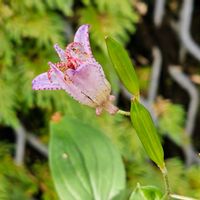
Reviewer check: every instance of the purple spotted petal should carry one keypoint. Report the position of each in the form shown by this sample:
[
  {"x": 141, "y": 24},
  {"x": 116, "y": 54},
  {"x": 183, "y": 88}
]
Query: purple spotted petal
[
  {"x": 90, "y": 80},
  {"x": 41, "y": 82},
  {"x": 60, "y": 52},
  {"x": 82, "y": 36},
  {"x": 79, "y": 74},
  {"x": 71, "y": 88}
]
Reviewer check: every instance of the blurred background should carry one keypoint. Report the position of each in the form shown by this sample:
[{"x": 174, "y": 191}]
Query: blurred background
[{"x": 163, "y": 40}]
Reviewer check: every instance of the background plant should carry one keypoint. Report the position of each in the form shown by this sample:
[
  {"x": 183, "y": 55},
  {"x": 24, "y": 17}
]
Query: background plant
[{"x": 28, "y": 31}]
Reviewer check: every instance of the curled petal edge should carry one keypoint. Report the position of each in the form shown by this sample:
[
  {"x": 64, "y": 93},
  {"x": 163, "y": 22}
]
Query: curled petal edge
[{"x": 82, "y": 36}]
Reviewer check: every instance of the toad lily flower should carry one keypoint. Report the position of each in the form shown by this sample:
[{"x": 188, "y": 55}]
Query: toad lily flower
[{"x": 79, "y": 74}]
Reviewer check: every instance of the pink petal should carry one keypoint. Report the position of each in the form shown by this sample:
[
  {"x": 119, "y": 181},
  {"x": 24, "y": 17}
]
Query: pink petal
[
  {"x": 82, "y": 36},
  {"x": 99, "y": 110},
  {"x": 91, "y": 81},
  {"x": 109, "y": 107},
  {"x": 42, "y": 82},
  {"x": 60, "y": 52},
  {"x": 71, "y": 88}
]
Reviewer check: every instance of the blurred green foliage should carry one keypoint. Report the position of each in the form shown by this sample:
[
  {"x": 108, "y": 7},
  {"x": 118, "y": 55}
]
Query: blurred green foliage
[
  {"x": 29, "y": 28},
  {"x": 21, "y": 183},
  {"x": 171, "y": 121}
]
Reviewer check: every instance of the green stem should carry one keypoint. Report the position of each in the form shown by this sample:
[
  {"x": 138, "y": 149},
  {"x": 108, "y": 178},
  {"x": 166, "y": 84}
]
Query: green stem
[
  {"x": 122, "y": 112},
  {"x": 176, "y": 196},
  {"x": 166, "y": 181}
]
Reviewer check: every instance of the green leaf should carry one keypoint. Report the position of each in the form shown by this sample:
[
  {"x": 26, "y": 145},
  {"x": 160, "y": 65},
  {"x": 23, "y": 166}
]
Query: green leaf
[
  {"x": 123, "y": 195},
  {"x": 83, "y": 162},
  {"x": 123, "y": 65},
  {"x": 147, "y": 133},
  {"x": 146, "y": 193}
]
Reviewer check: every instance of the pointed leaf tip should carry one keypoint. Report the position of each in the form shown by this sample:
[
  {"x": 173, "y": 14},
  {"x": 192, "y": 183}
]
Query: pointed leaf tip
[
  {"x": 146, "y": 193},
  {"x": 146, "y": 131},
  {"x": 123, "y": 65}
]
